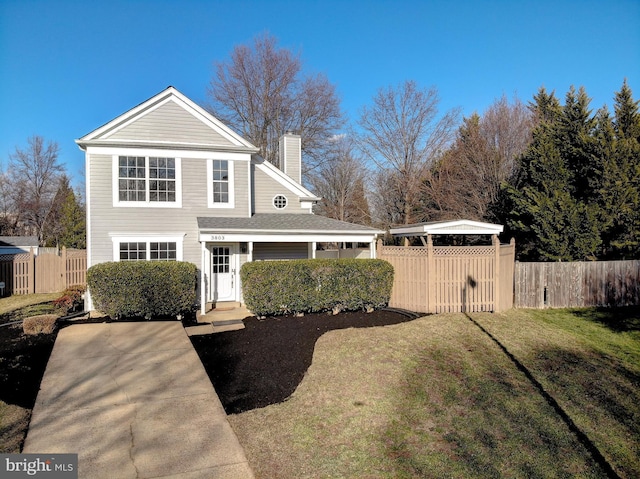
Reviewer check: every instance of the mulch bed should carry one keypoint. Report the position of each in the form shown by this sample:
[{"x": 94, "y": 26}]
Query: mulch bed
[
  {"x": 23, "y": 359},
  {"x": 265, "y": 362},
  {"x": 250, "y": 368}
]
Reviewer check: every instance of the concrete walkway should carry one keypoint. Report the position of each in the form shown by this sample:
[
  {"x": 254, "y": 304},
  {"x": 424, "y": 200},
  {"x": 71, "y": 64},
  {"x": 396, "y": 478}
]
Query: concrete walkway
[{"x": 133, "y": 401}]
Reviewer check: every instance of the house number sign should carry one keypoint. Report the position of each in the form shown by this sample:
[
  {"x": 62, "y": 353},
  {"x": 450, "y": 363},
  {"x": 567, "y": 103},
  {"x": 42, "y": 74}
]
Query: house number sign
[{"x": 217, "y": 237}]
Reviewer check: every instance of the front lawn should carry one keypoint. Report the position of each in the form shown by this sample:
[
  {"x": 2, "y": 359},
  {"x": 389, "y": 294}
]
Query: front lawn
[
  {"x": 23, "y": 360},
  {"x": 437, "y": 397}
]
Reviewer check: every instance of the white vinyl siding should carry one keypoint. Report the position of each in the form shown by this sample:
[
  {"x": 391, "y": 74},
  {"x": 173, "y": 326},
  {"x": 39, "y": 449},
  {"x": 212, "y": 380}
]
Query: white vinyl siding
[
  {"x": 159, "y": 125},
  {"x": 266, "y": 189},
  {"x": 107, "y": 220},
  {"x": 276, "y": 251}
]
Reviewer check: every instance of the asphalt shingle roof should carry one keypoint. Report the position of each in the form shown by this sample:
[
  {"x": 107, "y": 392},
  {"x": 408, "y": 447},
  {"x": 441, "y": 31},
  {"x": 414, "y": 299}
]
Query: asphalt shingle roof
[
  {"x": 18, "y": 241},
  {"x": 283, "y": 222}
]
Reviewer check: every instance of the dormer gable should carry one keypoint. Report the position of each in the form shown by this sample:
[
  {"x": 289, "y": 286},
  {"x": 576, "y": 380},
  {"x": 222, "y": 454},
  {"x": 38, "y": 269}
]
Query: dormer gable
[{"x": 154, "y": 123}]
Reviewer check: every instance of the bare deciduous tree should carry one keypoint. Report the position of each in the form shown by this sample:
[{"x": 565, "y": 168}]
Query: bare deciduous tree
[
  {"x": 340, "y": 182},
  {"x": 402, "y": 135},
  {"x": 261, "y": 92},
  {"x": 34, "y": 175},
  {"x": 466, "y": 181}
]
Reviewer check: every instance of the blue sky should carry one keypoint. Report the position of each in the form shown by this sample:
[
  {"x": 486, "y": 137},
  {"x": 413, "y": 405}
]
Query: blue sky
[{"x": 67, "y": 67}]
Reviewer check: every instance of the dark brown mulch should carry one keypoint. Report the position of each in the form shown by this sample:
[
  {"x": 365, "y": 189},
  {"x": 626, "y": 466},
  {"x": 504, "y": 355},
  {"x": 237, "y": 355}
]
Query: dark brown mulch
[
  {"x": 264, "y": 363},
  {"x": 23, "y": 359}
]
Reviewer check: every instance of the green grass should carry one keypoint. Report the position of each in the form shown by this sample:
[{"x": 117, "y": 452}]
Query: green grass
[
  {"x": 589, "y": 361},
  {"x": 18, "y": 307},
  {"x": 438, "y": 398},
  {"x": 14, "y": 420}
]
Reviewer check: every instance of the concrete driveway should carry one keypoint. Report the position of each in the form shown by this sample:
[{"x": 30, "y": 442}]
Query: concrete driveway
[{"x": 133, "y": 401}]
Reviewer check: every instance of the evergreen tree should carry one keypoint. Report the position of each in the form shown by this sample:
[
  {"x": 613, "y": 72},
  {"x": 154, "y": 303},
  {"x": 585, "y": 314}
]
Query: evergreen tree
[
  {"x": 73, "y": 223},
  {"x": 621, "y": 188},
  {"x": 549, "y": 220},
  {"x": 574, "y": 138}
]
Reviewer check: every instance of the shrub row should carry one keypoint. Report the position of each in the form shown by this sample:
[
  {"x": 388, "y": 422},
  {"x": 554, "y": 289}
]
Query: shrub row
[
  {"x": 299, "y": 286},
  {"x": 146, "y": 289}
]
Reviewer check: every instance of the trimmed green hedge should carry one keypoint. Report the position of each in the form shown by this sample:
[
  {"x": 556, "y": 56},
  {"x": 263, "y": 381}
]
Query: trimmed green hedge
[
  {"x": 143, "y": 288},
  {"x": 311, "y": 285}
]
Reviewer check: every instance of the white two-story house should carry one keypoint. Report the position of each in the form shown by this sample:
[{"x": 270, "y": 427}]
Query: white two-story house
[{"x": 168, "y": 181}]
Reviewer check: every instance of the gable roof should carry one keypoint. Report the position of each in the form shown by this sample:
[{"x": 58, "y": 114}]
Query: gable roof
[
  {"x": 209, "y": 132},
  {"x": 457, "y": 227}
]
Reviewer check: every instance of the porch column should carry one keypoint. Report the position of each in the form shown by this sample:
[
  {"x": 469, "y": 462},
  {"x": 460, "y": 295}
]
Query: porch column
[
  {"x": 203, "y": 292},
  {"x": 496, "y": 278},
  {"x": 372, "y": 249}
]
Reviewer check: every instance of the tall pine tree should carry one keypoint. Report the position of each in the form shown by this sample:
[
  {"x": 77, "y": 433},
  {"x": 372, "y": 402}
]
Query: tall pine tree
[{"x": 549, "y": 218}]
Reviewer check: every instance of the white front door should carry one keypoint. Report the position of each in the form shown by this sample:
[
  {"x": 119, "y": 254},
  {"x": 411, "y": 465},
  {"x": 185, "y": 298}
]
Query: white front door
[{"x": 223, "y": 272}]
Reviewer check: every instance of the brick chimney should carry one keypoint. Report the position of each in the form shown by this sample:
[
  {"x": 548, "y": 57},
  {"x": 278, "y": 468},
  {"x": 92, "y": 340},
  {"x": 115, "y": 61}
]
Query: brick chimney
[{"x": 290, "y": 153}]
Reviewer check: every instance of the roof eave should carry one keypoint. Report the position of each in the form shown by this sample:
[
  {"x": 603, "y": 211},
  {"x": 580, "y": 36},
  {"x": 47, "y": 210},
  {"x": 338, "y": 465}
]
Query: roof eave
[{"x": 83, "y": 145}]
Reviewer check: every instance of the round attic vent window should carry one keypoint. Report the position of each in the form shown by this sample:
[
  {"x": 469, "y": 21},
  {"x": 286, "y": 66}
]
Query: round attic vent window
[{"x": 280, "y": 201}]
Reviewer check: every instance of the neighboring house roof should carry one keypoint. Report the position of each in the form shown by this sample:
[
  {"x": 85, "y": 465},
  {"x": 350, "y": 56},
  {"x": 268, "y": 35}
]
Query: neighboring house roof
[
  {"x": 457, "y": 227},
  {"x": 209, "y": 132},
  {"x": 18, "y": 241},
  {"x": 287, "y": 223}
]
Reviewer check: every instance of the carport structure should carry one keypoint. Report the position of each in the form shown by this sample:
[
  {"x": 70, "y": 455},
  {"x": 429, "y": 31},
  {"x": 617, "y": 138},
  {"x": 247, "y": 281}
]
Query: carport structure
[{"x": 438, "y": 279}]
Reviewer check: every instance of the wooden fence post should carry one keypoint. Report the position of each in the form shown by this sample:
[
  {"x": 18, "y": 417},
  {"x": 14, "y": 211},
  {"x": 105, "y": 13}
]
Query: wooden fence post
[
  {"x": 496, "y": 274},
  {"x": 431, "y": 276},
  {"x": 65, "y": 269},
  {"x": 32, "y": 271}
]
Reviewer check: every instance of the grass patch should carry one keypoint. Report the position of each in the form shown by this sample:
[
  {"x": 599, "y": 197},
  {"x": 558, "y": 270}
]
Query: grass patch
[
  {"x": 436, "y": 397},
  {"x": 18, "y": 307},
  {"x": 589, "y": 361},
  {"x": 23, "y": 360}
]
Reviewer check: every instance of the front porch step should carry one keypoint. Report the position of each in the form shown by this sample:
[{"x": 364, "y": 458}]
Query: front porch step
[
  {"x": 227, "y": 325},
  {"x": 215, "y": 327}
]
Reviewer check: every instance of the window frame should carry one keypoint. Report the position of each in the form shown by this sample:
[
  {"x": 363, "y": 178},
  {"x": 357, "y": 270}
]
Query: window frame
[
  {"x": 147, "y": 240},
  {"x": 230, "y": 182},
  {"x": 286, "y": 202},
  {"x": 147, "y": 203}
]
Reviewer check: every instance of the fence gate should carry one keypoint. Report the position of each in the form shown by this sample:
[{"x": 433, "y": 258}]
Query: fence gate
[
  {"x": 439, "y": 279},
  {"x": 50, "y": 273}
]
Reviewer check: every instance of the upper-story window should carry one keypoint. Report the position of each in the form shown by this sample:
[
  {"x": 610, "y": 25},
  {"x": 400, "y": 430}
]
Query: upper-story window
[
  {"x": 220, "y": 179},
  {"x": 147, "y": 181},
  {"x": 162, "y": 179}
]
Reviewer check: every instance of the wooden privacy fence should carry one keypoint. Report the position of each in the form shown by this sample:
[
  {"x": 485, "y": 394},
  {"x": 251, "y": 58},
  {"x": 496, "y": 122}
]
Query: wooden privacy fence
[
  {"x": 44, "y": 273},
  {"x": 438, "y": 279},
  {"x": 577, "y": 284}
]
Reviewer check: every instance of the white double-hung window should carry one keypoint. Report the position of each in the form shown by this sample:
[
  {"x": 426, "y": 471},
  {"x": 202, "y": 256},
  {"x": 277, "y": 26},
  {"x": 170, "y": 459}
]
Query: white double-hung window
[
  {"x": 147, "y": 247},
  {"x": 152, "y": 181},
  {"x": 220, "y": 188}
]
